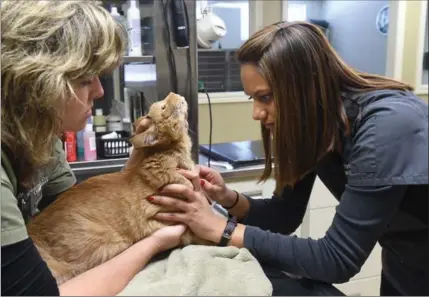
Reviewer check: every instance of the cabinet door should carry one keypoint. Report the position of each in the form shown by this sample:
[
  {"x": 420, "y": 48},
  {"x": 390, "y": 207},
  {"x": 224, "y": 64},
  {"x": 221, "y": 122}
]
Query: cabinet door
[
  {"x": 248, "y": 187},
  {"x": 320, "y": 215}
]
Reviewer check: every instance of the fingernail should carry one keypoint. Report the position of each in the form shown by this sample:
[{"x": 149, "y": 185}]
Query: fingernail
[
  {"x": 150, "y": 198},
  {"x": 202, "y": 182}
]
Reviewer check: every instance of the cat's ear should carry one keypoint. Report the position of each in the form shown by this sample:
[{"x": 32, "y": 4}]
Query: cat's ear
[
  {"x": 145, "y": 135},
  {"x": 146, "y": 139},
  {"x": 142, "y": 124}
]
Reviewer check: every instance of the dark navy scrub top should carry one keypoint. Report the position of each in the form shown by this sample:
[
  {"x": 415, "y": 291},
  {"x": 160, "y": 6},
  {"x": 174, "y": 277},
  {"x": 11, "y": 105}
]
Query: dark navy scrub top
[{"x": 381, "y": 182}]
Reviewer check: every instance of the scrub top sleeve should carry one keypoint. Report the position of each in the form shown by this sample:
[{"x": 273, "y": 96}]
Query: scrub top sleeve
[{"x": 390, "y": 146}]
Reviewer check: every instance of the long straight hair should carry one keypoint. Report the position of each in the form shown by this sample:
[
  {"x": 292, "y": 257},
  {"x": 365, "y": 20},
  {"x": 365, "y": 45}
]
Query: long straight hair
[{"x": 307, "y": 78}]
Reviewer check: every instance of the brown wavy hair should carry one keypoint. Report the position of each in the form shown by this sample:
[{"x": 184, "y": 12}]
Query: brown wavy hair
[
  {"x": 307, "y": 78},
  {"x": 46, "y": 46}
]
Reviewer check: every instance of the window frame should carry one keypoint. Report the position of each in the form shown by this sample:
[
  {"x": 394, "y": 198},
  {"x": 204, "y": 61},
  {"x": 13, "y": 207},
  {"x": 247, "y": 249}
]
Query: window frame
[
  {"x": 255, "y": 23},
  {"x": 286, "y": 12}
]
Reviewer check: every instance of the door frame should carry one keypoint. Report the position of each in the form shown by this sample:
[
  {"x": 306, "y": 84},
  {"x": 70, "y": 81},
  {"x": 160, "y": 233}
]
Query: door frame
[
  {"x": 396, "y": 38},
  {"x": 421, "y": 88}
]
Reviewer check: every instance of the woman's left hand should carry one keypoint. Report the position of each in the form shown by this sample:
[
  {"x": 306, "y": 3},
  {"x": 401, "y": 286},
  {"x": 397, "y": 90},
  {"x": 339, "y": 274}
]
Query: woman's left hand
[{"x": 195, "y": 211}]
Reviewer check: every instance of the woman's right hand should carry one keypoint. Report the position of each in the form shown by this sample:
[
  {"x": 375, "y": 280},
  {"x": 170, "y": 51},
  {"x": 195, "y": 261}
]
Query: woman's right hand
[
  {"x": 168, "y": 237},
  {"x": 214, "y": 186}
]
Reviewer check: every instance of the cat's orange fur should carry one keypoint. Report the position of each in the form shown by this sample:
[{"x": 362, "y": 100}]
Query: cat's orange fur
[{"x": 104, "y": 215}]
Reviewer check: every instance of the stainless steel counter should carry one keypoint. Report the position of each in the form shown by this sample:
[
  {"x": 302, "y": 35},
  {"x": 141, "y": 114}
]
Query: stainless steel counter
[{"x": 92, "y": 168}]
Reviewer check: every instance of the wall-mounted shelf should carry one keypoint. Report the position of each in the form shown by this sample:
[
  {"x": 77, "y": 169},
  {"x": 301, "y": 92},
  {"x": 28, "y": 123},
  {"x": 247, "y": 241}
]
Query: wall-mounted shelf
[{"x": 138, "y": 60}]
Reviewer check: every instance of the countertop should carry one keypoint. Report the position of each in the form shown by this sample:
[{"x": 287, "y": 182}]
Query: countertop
[{"x": 113, "y": 165}]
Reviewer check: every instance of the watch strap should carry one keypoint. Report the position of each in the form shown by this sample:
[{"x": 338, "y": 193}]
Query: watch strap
[{"x": 227, "y": 232}]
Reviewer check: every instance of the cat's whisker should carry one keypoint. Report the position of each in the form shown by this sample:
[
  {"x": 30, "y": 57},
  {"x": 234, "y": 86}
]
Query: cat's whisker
[
  {"x": 149, "y": 101},
  {"x": 192, "y": 131}
]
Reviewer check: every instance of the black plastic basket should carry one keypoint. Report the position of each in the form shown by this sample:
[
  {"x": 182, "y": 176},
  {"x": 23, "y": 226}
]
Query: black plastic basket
[{"x": 113, "y": 148}]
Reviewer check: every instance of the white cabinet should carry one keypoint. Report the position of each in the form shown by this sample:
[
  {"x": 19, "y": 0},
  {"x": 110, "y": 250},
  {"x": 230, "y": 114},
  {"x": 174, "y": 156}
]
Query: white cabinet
[
  {"x": 318, "y": 218},
  {"x": 321, "y": 209},
  {"x": 251, "y": 187}
]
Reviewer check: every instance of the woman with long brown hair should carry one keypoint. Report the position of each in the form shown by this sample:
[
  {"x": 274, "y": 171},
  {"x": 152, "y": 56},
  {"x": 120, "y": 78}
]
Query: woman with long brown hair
[{"x": 365, "y": 136}]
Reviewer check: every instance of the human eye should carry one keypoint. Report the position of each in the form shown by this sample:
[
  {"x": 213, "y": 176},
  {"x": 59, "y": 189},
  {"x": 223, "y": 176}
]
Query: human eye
[
  {"x": 266, "y": 98},
  {"x": 86, "y": 81}
]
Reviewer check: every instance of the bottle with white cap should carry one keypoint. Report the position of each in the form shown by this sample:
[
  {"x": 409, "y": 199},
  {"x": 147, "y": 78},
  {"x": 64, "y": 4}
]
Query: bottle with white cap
[
  {"x": 121, "y": 20},
  {"x": 90, "y": 144},
  {"x": 99, "y": 121},
  {"x": 133, "y": 17}
]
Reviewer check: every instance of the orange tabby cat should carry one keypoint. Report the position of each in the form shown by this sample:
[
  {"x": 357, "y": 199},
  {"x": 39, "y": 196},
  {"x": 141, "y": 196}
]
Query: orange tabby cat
[{"x": 104, "y": 215}]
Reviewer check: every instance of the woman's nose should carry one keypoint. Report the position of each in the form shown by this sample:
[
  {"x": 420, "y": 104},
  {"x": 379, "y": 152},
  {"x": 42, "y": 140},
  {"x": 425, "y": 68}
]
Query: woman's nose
[
  {"x": 97, "y": 89},
  {"x": 258, "y": 113}
]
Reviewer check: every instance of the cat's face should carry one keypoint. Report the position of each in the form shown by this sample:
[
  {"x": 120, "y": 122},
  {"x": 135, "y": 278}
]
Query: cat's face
[{"x": 165, "y": 123}]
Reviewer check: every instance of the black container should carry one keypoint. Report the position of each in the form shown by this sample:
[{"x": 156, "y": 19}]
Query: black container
[{"x": 113, "y": 148}]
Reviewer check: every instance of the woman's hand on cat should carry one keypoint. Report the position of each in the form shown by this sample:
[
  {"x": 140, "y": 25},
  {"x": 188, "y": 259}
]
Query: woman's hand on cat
[
  {"x": 213, "y": 185},
  {"x": 168, "y": 237},
  {"x": 195, "y": 211}
]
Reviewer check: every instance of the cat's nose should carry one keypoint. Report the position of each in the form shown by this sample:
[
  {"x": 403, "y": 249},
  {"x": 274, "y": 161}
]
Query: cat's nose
[{"x": 182, "y": 101}]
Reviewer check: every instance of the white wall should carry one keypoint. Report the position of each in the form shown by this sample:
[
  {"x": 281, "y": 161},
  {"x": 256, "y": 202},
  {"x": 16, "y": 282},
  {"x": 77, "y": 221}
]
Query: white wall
[{"x": 354, "y": 35}]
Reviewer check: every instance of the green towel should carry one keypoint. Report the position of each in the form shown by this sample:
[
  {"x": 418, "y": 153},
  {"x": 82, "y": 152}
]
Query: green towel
[{"x": 202, "y": 271}]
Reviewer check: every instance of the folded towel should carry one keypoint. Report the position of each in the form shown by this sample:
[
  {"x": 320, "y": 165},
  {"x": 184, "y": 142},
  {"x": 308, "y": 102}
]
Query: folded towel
[{"x": 202, "y": 271}]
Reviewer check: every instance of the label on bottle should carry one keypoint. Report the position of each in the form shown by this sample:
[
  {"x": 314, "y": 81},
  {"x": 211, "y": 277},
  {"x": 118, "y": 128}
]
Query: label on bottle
[
  {"x": 70, "y": 146},
  {"x": 92, "y": 144},
  {"x": 135, "y": 36}
]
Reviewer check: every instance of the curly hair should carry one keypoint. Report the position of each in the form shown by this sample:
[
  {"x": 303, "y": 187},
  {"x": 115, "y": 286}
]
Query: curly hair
[{"x": 46, "y": 46}]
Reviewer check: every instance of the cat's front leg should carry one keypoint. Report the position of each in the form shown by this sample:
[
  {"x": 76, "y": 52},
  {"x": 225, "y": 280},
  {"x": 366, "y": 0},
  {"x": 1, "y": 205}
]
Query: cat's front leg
[{"x": 186, "y": 164}]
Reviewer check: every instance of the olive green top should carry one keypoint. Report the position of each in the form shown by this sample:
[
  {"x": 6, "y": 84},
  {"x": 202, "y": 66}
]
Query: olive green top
[{"x": 49, "y": 181}]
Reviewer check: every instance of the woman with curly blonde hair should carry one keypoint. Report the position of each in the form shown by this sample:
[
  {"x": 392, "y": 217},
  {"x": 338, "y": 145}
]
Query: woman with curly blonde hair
[{"x": 52, "y": 53}]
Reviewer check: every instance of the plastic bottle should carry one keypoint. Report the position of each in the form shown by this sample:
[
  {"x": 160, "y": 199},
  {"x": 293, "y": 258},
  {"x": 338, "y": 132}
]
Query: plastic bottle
[
  {"x": 99, "y": 121},
  {"x": 89, "y": 141},
  {"x": 114, "y": 123},
  {"x": 133, "y": 18},
  {"x": 121, "y": 20},
  {"x": 80, "y": 144},
  {"x": 114, "y": 118},
  {"x": 70, "y": 146}
]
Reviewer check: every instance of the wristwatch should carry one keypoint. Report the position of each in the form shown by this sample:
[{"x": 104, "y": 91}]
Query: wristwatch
[{"x": 227, "y": 232}]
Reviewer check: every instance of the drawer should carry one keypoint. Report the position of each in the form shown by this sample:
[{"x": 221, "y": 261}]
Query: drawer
[
  {"x": 320, "y": 221},
  {"x": 252, "y": 188},
  {"x": 248, "y": 187},
  {"x": 362, "y": 287},
  {"x": 321, "y": 196}
]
